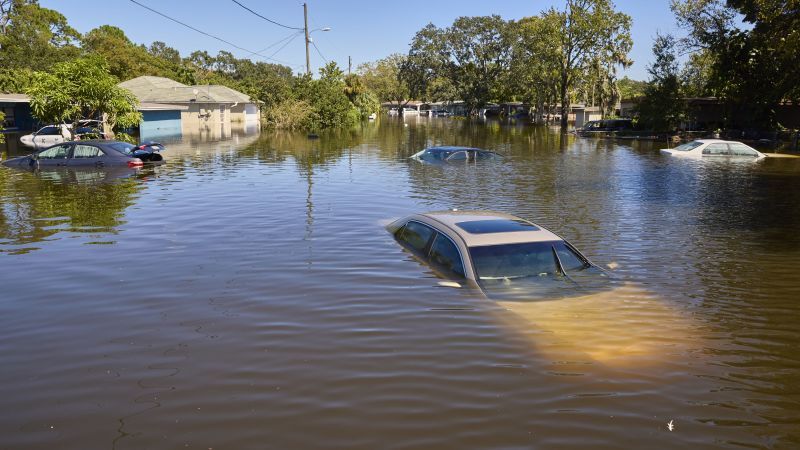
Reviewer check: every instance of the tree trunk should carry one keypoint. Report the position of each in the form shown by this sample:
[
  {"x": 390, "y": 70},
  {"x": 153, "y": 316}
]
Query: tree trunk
[{"x": 564, "y": 102}]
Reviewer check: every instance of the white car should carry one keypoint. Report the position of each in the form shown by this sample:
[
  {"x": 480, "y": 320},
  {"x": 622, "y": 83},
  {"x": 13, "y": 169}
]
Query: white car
[
  {"x": 500, "y": 254},
  {"x": 56, "y": 134},
  {"x": 714, "y": 148}
]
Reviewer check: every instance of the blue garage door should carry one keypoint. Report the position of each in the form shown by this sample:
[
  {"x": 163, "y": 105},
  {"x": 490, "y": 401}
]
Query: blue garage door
[{"x": 160, "y": 125}]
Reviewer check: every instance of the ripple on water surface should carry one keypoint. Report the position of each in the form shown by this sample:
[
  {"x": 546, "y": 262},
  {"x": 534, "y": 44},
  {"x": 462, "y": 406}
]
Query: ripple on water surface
[{"x": 245, "y": 295}]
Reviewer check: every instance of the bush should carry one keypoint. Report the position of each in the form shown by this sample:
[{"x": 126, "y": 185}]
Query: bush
[{"x": 290, "y": 114}]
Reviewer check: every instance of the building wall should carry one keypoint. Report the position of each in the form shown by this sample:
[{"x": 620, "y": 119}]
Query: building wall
[
  {"x": 18, "y": 115},
  {"x": 158, "y": 124},
  {"x": 245, "y": 113}
]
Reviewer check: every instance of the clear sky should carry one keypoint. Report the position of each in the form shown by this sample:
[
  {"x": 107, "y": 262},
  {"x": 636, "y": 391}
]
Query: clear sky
[{"x": 363, "y": 30}]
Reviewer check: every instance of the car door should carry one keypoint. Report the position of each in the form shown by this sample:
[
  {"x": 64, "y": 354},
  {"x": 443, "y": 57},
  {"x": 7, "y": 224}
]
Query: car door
[
  {"x": 54, "y": 156},
  {"x": 47, "y": 136},
  {"x": 445, "y": 257},
  {"x": 86, "y": 155}
]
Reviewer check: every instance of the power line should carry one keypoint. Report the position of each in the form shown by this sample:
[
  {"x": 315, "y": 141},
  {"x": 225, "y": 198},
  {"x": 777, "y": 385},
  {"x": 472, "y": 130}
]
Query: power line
[
  {"x": 265, "y": 18},
  {"x": 207, "y": 34},
  {"x": 291, "y": 37},
  {"x": 319, "y": 52},
  {"x": 284, "y": 45}
]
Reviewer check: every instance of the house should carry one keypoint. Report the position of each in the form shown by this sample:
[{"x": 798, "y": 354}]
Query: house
[
  {"x": 17, "y": 110},
  {"x": 584, "y": 114},
  {"x": 170, "y": 108}
]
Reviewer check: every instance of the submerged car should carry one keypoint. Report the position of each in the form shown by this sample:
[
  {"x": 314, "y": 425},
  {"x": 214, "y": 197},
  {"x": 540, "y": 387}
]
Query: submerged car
[
  {"x": 714, "y": 148},
  {"x": 56, "y": 134},
  {"x": 91, "y": 154},
  {"x": 438, "y": 155},
  {"x": 605, "y": 126},
  {"x": 504, "y": 255}
]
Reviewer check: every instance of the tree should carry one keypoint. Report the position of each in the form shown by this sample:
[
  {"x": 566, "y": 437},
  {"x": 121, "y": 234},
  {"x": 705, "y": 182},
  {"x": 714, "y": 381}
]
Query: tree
[
  {"x": 629, "y": 89},
  {"x": 534, "y": 65},
  {"x": 82, "y": 89},
  {"x": 34, "y": 37},
  {"x": 2, "y": 120},
  {"x": 383, "y": 77},
  {"x": 753, "y": 68},
  {"x": 663, "y": 107},
  {"x": 590, "y": 32},
  {"x": 473, "y": 55}
]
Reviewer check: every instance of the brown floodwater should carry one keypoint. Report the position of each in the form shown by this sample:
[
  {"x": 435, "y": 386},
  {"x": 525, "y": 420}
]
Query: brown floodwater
[{"x": 245, "y": 295}]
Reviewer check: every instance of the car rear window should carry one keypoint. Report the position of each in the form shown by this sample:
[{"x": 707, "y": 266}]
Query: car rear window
[
  {"x": 122, "y": 147},
  {"x": 496, "y": 226}
]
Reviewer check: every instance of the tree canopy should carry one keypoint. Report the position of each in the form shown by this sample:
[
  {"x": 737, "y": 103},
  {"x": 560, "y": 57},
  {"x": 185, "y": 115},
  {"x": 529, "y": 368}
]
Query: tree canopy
[{"x": 82, "y": 89}]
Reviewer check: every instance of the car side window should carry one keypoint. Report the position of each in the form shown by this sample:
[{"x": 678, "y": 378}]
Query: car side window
[
  {"x": 716, "y": 150},
  {"x": 416, "y": 236},
  {"x": 58, "y": 152},
  {"x": 570, "y": 261},
  {"x": 444, "y": 255},
  {"x": 742, "y": 150},
  {"x": 86, "y": 151},
  {"x": 49, "y": 131}
]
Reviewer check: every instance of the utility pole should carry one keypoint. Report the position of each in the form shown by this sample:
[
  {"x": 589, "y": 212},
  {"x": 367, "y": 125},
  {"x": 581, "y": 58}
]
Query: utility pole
[
  {"x": 349, "y": 64},
  {"x": 305, "y": 20}
]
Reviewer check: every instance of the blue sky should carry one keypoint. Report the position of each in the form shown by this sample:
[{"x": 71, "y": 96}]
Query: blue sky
[{"x": 364, "y": 30}]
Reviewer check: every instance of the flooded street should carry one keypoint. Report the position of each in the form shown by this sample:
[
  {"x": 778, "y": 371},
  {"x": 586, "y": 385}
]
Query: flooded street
[{"x": 245, "y": 295}]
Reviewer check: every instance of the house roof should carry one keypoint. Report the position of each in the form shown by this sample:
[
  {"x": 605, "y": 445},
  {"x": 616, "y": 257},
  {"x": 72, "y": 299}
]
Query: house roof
[
  {"x": 14, "y": 98},
  {"x": 150, "y": 89}
]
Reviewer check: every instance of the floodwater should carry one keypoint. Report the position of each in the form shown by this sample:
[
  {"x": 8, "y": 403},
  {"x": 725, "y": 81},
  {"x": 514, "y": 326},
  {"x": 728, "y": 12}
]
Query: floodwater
[{"x": 245, "y": 295}]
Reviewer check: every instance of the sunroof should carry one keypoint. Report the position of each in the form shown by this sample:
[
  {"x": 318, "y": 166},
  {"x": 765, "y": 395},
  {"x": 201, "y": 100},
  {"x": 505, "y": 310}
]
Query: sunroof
[{"x": 495, "y": 226}]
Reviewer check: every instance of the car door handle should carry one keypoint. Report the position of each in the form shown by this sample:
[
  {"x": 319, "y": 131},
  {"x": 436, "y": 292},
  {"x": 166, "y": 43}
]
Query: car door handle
[{"x": 99, "y": 164}]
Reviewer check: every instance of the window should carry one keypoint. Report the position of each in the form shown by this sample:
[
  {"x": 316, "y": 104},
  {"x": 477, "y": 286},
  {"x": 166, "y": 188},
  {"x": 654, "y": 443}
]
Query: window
[
  {"x": 49, "y": 131},
  {"x": 59, "y": 152},
  {"x": 570, "y": 261},
  {"x": 122, "y": 147},
  {"x": 444, "y": 255},
  {"x": 529, "y": 259},
  {"x": 495, "y": 226},
  {"x": 688, "y": 146},
  {"x": 416, "y": 236},
  {"x": 86, "y": 151},
  {"x": 717, "y": 149},
  {"x": 738, "y": 149}
]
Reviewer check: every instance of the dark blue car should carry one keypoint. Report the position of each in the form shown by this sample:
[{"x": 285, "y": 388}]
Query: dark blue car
[{"x": 93, "y": 153}]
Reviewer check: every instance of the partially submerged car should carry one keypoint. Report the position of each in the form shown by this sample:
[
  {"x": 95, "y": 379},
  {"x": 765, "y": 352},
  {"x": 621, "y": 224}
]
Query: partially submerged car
[
  {"x": 714, "y": 149},
  {"x": 605, "y": 126},
  {"x": 438, "y": 155},
  {"x": 56, "y": 134},
  {"x": 91, "y": 154},
  {"x": 505, "y": 256}
]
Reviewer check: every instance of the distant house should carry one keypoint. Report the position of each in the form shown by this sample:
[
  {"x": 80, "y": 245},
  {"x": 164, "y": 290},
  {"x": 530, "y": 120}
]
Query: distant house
[
  {"x": 17, "y": 110},
  {"x": 170, "y": 108},
  {"x": 584, "y": 114}
]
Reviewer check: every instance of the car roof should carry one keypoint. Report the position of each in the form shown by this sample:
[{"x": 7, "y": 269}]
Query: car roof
[
  {"x": 452, "y": 219},
  {"x": 452, "y": 148}
]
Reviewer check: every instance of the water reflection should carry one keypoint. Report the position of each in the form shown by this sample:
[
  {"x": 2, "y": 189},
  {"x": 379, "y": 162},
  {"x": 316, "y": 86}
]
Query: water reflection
[
  {"x": 37, "y": 205},
  {"x": 274, "y": 305}
]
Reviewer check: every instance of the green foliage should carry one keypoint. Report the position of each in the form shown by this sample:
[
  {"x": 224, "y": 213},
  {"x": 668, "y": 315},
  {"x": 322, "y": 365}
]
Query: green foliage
[
  {"x": 383, "y": 78},
  {"x": 663, "y": 107},
  {"x": 629, "y": 89},
  {"x": 591, "y": 33},
  {"x": 34, "y": 37},
  {"x": 472, "y": 55},
  {"x": 81, "y": 89},
  {"x": 752, "y": 67},
  {"x": 15, "y": 80},
  {"x": 2, "y": 119},
  {"x": 290, "y": 114}
]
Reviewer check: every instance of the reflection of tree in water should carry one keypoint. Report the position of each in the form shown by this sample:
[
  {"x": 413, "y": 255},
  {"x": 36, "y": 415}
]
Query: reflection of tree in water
[{"x": 39, "y": 205}]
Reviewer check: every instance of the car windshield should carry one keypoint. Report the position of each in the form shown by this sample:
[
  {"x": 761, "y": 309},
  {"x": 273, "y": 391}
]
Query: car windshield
[
  {"x": 527, "y": 259},
  {"x": 122, "y": 147},
  {"x": 688, "y": 146}
]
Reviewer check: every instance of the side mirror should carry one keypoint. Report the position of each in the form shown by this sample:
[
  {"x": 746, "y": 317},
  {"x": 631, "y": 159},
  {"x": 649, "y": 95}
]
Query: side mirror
[{"x": 450, "y": 284}]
